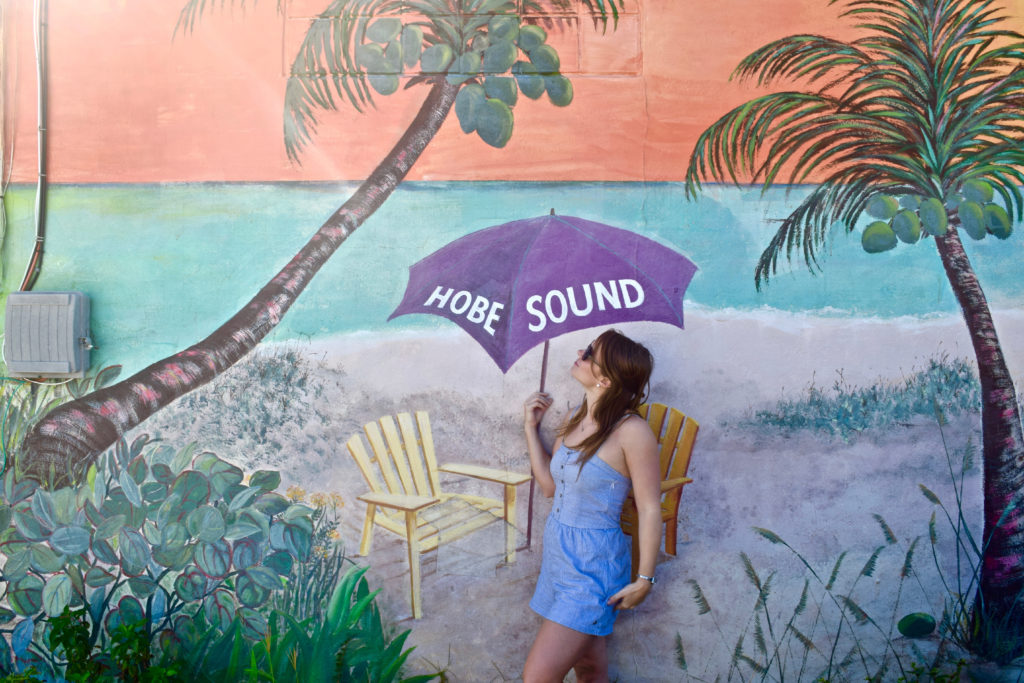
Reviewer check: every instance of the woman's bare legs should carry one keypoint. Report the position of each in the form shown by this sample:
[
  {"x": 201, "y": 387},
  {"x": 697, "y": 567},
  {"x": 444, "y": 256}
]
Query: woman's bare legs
[{"x": 557, "y": 649}]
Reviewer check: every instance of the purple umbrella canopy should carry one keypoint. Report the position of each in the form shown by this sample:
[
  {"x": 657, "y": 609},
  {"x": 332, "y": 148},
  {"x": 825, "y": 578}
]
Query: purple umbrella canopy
[{"x": 515, "y": 285}]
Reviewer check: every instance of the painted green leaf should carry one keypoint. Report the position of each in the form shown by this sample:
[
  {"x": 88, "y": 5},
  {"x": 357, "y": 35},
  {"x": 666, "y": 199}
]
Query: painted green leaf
[
  {"x": 138, "y": 469},
  {"x": 223, "y": 475},
  {"x": 271, "y": 504},
  {"x": 6, "y": 515},
  {"x": 45, "y": 561},
  {"x": 281, "y": 562},
  {"x": 104, "y": 552},
  {"x": 219, "y": 607},
  {"x": 268, "y": 480},
  {"x": 243, "y": 498},
  {"x": 174, "y": 535},
  {"x": 997, "y": 221},
  {"x": 29, "y": 527},
  {"x": 972, "y": 219},
  {"x": 436, "y": 60},
  {"x": 130, "y": 488},
  {"x": 192, "y": 490},
  {"x": 499, "y": 57},
  {"x": 153, "y": 493},
  {"x": 559, "y": 90},
  {"x": 191, "y": 585},
  {"x": 412, "y": 45},
  {"x": 18, "y": 563},
  {"x": 254, "y": 624},
  {"x": 503, "y": 27},
  {"x": 253, "y": 517},
  {"x": 134, "y": 551},
  {"x": 213, "y": 559},
  {"x": 25, "y": 596},
  {"x": 467, "y": 102},
  {"x": 163, "y": 474},
  {"x": 265, "y": 578},
  {"x": 250, "y": 593},
  {"x": 21, "y": 637},
  {"x": 174, "y": 557},
  {"x": 97, "y": 576},
  {"x": 43, "y": 509},
  {"x": 206, "y": 523},
  {"x": 70, "y": 540},
  {"x": 142, "y": 587},
  {"x": 907, "y": 226},
  {"x": 246, "y": 553},
  {"x": 241, "y": 530},
  {"x": 878, "y": 237},
  {"x": 531, "y": 37},
  {"x": 131, "y": 610},
  {"x": 56, "y": 594},
  {"x": 291, "y": 537},
  {"x": 502, "y": 88},
  {"x": 384, "y": 29}
]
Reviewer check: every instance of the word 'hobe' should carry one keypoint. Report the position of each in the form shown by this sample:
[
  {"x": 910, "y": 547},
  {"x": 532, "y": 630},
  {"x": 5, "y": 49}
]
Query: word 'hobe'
[{"x": 555, "y": 306}]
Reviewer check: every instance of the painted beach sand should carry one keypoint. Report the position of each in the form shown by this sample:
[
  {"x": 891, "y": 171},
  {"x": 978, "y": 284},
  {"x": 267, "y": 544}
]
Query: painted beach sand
[{"x": 818, "y": 492}]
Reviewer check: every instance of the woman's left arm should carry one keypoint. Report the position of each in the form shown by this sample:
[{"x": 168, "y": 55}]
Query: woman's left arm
[{"x": 641, "y": 451}]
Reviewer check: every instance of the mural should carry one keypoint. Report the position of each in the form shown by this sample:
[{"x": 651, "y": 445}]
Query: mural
[{"x": 854, "y": 506}]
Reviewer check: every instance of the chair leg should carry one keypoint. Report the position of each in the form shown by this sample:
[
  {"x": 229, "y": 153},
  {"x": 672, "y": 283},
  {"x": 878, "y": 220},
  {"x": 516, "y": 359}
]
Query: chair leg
[
  {"x": 510, "y": 524},
  {"x": 364, "y": 544},
  {"x": 670, "y": 536},
  {"x": 413, "y": 543}
]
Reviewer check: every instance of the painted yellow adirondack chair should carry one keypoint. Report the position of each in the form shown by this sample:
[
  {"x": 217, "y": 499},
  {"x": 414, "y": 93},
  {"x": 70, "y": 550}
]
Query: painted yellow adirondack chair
[
  {"x": 405, "y": 494},
  {"x": 676, "y": 434}
]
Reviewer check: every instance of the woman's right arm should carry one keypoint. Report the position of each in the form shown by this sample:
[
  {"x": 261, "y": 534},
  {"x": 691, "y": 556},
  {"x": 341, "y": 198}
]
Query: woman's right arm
[{"x": 540, "y": 460}]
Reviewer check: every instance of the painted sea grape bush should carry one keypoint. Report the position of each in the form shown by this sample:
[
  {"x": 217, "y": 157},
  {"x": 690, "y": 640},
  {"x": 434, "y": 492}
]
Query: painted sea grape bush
[
  {"x": 905, "y": 219},
  {"x": 148, "y": 537}
]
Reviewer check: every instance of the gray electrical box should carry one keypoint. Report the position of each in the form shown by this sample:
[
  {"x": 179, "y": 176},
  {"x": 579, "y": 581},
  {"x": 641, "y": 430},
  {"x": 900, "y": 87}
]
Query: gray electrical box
[{"x": 46, "y": 334}]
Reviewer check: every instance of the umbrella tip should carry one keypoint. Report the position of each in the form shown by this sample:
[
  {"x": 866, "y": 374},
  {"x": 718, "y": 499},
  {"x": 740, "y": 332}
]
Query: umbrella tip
[{"x": 552, "y": 212}]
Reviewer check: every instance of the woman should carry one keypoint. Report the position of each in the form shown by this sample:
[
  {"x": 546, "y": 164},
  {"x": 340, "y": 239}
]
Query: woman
[{"x": 600, "y": 453}]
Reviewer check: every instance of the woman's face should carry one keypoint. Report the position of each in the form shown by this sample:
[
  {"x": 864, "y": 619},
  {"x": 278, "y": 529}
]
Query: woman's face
[{"x": 587, "y": 368}]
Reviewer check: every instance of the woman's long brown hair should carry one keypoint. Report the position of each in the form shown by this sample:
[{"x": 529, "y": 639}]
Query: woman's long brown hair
[{"x": 627, "y": 366}]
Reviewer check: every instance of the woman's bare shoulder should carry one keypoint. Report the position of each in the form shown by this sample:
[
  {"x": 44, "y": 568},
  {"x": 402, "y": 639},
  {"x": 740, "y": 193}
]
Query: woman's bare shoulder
[{"x": 634, "y": 430}]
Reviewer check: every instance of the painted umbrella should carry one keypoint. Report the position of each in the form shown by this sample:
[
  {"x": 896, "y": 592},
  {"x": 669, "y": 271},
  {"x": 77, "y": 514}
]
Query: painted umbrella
[{"x": 516, "y": 285}]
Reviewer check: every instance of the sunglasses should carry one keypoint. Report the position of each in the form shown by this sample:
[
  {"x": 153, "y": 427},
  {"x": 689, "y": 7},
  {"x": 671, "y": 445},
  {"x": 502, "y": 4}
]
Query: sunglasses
[{"x": 588, "y": 354}]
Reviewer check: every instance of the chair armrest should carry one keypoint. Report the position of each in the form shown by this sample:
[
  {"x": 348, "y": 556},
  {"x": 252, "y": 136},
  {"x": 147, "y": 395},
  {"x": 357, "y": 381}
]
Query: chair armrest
[
  {"x": 486, "y": 473},
  {"x": 399, "y": 502},
  {"x": 677, "y": 483}
]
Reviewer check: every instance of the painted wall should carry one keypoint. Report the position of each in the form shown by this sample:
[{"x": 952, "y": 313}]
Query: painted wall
[{"x": 173, "y": 202}]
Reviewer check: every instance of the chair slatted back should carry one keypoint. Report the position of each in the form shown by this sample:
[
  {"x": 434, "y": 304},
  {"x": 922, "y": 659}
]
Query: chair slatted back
[
  {"x": 403, "y": 455},
  {"x": 676, "y": 434}
]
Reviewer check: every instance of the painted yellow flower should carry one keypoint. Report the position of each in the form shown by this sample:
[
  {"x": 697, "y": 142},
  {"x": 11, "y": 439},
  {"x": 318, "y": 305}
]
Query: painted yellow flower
[{"x": 295, "y": 493}]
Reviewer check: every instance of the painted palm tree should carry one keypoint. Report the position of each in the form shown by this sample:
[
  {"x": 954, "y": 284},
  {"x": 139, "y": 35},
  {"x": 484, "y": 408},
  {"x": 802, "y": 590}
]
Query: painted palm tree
[
  {"x": 474, "y": 55},
  {"x": 919, "y": 124}
]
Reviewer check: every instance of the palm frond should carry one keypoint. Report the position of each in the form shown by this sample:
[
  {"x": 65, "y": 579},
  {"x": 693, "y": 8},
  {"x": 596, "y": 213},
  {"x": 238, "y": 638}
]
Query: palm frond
[
  {"x": 703, "y": 607},
  {"x": 887, "y": 532},
  {"x": 908, "y": 559},
  {"x": 194, "y": 9},
  {"x": 800, "y": 56}
]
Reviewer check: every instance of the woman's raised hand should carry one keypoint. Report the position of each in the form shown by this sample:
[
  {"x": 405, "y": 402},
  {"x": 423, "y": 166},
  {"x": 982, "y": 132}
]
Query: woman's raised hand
[{"x": 535, "y": 407}]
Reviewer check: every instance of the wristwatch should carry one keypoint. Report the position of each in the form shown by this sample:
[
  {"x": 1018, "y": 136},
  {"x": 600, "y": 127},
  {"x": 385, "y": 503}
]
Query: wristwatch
[{"x": 646, "y": 578}]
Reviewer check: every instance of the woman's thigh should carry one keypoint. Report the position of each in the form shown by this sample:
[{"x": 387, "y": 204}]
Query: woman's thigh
[{"x": 556, "y": 650}]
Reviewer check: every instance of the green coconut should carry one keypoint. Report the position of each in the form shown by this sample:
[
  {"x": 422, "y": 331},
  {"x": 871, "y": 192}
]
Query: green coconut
[
  {"x": 383, "y": 30},
  {"x": 412, "y": 44},
  {"x": 503, "y": 27},
  {"x": 933, "y": 217},
  {"x": 559, "y": 90},
  {"x": 531, "y": 37},
  {"x": 997, "y": 221},
  {"x": 907, "y": 226},
  {"x": 530, "y": 83},
  {"x": 882, "y": 206},
  {"x": 370, "y": 57},
  {"x": 465, "y": 67},
  {"x": 467, "y": 103},
  {"x": 499, "y": 57},
  {"x": 972, "y": 219},
  {"x": 502, "y": 88},
  {"x": 910, "y": 201},
  {"x": 977, "y": 191},
  {"x": 878, "y": 237},
  {"x": 545, "y": 58},
  {"x": 436, "y": 58},
  {"x": 385, "y": 84},
  {"x": 494, "y": 123},
  {"x": 916, "y": 625}
]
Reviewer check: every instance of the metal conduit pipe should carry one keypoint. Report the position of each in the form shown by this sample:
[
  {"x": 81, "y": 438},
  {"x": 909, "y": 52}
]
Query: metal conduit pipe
[{"x": 35, "y": 264}]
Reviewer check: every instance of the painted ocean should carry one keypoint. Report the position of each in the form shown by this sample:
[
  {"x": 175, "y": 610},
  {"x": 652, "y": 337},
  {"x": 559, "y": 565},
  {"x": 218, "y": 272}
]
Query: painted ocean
[{"x": 166, "y": 264}]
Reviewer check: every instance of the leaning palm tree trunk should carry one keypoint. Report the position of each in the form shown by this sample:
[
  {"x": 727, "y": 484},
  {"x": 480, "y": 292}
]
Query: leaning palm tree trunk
[
  {"x": 69, "y": 438},
  {"x": 1001, "y": 587}
]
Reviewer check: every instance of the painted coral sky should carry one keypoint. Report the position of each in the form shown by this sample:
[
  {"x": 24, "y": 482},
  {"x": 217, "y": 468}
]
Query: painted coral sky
[{"x": 130, "y": 102}]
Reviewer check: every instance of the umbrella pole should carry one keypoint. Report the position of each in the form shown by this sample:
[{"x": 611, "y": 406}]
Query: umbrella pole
[{"x": 529, "y": 503}]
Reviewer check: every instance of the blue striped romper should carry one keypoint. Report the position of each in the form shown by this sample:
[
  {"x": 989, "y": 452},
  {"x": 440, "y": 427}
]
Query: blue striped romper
[{"x": 586, "y": 557}]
